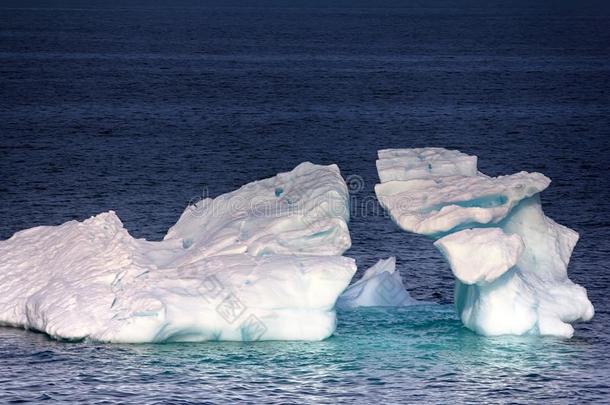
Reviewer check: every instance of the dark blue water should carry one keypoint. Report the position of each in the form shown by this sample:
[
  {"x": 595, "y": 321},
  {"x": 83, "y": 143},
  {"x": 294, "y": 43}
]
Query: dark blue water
[{"x": 139, "y": 107}]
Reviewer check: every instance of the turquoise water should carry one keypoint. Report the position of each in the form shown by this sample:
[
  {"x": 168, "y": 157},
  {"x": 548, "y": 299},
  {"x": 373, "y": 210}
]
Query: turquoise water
[{"x": 388, "y": 355}]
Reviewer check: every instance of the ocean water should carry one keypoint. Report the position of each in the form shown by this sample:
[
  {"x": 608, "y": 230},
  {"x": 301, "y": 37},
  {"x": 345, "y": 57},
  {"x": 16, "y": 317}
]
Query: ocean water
[{"x": 143, "y": 106}]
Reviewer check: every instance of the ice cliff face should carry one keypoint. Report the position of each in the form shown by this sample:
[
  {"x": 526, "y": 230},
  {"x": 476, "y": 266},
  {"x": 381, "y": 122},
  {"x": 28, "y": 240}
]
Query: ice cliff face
[
  {"x": 510, "y": 260},
  {"x": 263, "y": 262}
]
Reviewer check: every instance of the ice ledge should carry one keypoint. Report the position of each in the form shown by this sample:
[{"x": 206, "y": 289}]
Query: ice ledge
[{"x": 481, "y": 255}]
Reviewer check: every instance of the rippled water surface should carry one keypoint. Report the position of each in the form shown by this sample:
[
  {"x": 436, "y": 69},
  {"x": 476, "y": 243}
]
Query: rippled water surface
[
  {"x": 140, "y": 107},
  {"x": 398, "y": 355}
]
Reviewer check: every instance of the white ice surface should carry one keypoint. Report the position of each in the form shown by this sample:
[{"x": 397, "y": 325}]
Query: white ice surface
[
  {"x": 304, "y": 211},
  {"x": 381, "y": 285},
  {"x": 510, "y": 260},
  {"x": 408, "y": 164},
  {"x": 439, "y": 204},
  {"x": 260, "y": 263},
  {"x": 480, "y": 255}
]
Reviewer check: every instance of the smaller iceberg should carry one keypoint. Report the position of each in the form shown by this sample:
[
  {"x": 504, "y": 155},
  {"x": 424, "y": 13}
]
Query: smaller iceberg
[
  {"x": 509, "y": 259},
  {"x": 380, "y": 286}
]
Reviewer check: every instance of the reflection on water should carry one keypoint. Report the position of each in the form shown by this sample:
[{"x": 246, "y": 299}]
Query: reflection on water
[{"x": 402, "y": 354}]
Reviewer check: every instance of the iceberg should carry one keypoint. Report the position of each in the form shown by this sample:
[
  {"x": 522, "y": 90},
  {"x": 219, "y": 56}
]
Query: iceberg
[
  {"x": 509, "y": 259},
  {"x": 260, "y": 263},
  {"x": 381, "y": 285}
]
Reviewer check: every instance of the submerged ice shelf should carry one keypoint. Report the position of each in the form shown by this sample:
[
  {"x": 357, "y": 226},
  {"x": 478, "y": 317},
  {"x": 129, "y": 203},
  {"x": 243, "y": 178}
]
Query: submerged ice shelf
[
  {"x": 510, "y": 260},
  {"x": 260, "y": 263}
]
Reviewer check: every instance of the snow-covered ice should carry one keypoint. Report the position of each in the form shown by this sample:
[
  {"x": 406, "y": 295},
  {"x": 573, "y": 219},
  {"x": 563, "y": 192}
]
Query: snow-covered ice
[
  {"x": 480, "y": 255},
  {"x": 510, "y": 260},
  {"x": 381, "y": 285},
  {"x": 260, "y": 263}
]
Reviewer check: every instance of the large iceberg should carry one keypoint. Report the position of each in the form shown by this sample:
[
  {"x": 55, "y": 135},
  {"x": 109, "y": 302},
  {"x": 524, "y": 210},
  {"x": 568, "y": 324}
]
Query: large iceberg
[
  {"x": 510, "y": 260},
  {"x": 260, "y": 263}
]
